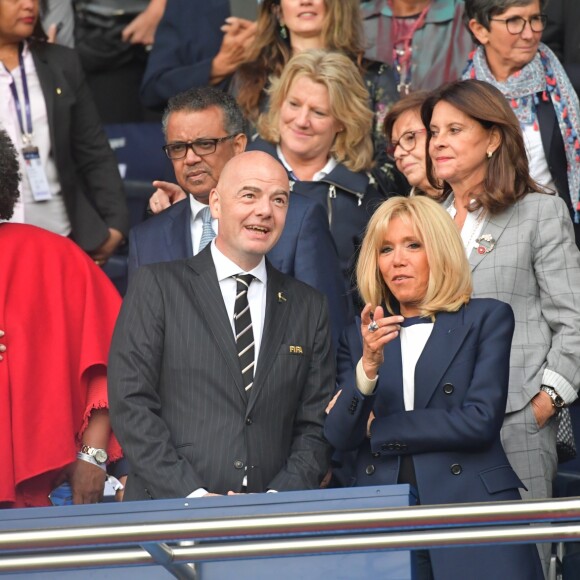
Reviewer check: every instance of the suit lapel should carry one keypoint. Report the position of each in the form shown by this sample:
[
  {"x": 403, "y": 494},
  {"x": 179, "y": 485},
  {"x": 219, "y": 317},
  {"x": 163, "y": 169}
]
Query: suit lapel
[
  {"x": 177, "y": 232},
  {"x": 392, "y": 371},
  {"x": 46, "y": 79},
  {"x": 495, "y": 227},
  {"x": 278, "y": 306},
  {"x": 447, "y": 336},
  {"x": 207, "y": 294}
]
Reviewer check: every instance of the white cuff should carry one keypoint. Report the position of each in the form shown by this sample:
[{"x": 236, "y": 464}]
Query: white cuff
[
  {"x": 365, "y": 385},
  {"x": 199, "y": 492},
  {"x": 560, "y": 385}
]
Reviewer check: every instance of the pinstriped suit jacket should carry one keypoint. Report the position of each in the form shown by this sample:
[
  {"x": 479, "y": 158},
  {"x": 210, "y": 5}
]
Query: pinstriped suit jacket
[
  {"x": 177, "y": 402},
  {"x": 534, "y": 267}
]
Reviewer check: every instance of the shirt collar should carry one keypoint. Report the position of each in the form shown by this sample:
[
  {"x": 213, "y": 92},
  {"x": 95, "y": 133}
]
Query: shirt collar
[
  {"x": 196, "y": 206},
  {"x": 319, "y": 175},
  {"x": 225, "y": 268}
]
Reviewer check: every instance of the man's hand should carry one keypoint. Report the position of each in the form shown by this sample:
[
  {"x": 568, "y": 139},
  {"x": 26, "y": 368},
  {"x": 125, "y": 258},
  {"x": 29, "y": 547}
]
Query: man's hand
[
  {"x": 239, "y": 35},
  {"x": 141, "y": 30},
  {"x": 107, "y": 248},
  {"x": 165, "y": 196},
  {"x": 87, "y": 482},
  {"x": 542, "y": 408}
]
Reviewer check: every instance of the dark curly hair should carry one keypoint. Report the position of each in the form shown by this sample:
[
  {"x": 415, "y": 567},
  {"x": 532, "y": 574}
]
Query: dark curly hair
[{"x": 9, "y": 176}]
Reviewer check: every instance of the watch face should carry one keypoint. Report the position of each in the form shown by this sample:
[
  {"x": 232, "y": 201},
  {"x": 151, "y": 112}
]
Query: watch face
[
  {"x": 558, "y": 401},
  {"x": 100, "y": 455}
]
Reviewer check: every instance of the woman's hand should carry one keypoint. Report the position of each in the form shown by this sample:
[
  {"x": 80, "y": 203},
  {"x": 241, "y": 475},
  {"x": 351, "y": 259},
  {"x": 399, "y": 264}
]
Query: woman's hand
[
  {"x": 165, "y": 196},
  {"x": 2, "y": 346},
  {"x": 141, "y": 30},
  {"x": 239, "y": 35},
  {"x": 102, "y": 254},
  {"x": 87, "y": 482},
  {"x": 374, "y": 341},
  {"x": 542, "y": 408},
  {"x": 332, "y": 402}
]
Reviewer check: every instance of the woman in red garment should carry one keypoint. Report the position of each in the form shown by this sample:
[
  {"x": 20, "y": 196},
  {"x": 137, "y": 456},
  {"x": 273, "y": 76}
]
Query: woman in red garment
[{"x": 57, "y": 310}]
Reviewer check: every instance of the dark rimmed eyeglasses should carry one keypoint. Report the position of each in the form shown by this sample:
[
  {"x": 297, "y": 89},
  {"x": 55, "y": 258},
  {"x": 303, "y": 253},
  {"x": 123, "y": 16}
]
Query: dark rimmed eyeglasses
[
  {"x": 200, "y": 147},
  {"x": 516, "y": 24},
  {"x": 407, "y": 142}
]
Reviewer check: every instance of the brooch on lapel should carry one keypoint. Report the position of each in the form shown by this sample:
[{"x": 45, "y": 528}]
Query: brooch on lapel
[
  {"x": 485, "y": 244},
  {"x": 295, "y": 349},
  {"x": 281, "y": 297}
]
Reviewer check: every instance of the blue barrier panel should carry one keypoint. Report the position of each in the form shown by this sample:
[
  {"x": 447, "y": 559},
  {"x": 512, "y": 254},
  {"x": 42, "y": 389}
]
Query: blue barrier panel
[{"x": 395, "y": 565}]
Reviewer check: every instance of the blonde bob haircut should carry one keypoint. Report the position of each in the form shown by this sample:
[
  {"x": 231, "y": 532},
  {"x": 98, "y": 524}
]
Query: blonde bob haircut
[
  {"x": 349, "y": 104},
  {"x": 449, "y": 284}
]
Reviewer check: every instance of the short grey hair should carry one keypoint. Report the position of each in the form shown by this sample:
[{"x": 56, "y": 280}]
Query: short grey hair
[
  {"x": 201, "y": 99},
  {"x": 483, "y": 11}
]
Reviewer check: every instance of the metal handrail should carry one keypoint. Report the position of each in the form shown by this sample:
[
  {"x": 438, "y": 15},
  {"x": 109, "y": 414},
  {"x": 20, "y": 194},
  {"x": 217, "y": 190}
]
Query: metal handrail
[
  {"x": 531, "y": 511},
  {"x": 311, "y": 533}
]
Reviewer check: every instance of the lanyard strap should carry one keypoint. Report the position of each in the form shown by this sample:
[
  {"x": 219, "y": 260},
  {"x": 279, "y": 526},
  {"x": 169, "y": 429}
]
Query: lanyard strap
[{"x": 26, "y": 134}]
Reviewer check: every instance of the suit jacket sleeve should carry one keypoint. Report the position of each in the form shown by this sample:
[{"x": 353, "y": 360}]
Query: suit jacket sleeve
[
  {"x": 186, "y": 41},
  {"x": 94, "y": 160},
  {"x": 556, "y": 262},
  {"x": 309, "y": 456},
  {"x": 134, "y": 371}
]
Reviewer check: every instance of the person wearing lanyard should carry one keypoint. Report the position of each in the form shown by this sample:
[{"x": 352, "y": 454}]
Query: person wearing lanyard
[
  {"x": 71, "y": 184},
  {"x": 424, "y": 41}
]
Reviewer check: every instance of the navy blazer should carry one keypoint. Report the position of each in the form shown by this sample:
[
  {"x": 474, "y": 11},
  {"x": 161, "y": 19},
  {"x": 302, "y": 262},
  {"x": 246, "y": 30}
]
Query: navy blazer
[
  {"x": 305, "y": 250},
  {"x": 453, "y": 433},
  {"x": 186, "y": 41}
]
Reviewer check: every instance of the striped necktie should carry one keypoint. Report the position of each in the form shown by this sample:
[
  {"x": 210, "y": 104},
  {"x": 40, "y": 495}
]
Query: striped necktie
[
  {"x": 243, "y": 328},
  {"x": 207, "y": 233}
]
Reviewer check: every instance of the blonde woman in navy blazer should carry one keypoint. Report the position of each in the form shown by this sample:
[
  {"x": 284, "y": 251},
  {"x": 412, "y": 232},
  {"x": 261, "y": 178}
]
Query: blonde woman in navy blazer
[{"x": 442, "y": 433}]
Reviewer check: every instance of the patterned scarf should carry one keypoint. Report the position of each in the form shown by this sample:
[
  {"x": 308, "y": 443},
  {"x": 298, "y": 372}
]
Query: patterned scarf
[{"x": 543, "y": 77}]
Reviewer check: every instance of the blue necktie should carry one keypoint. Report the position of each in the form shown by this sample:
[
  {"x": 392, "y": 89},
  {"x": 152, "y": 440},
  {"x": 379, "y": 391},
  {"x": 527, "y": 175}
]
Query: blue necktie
[{"x": 207, "y": 233}]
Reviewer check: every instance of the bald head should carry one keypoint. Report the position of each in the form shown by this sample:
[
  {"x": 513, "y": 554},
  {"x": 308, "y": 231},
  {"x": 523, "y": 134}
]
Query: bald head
[
  {"x": 252, "y": 163},
  {"x": 250, "y": 201}
]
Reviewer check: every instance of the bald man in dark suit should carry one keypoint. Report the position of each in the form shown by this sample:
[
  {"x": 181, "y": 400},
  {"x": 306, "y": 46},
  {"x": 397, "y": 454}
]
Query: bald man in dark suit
[{"x": 190, "y": 419}]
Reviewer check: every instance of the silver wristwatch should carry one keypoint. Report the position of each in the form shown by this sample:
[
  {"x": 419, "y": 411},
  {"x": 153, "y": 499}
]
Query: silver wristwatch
[
  {"x": 99, "y": 455},
  {"x": 557, "y": 401}
]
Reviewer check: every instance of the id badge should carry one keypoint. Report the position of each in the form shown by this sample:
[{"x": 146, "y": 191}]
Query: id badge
[{"x": 35, "y": 174}]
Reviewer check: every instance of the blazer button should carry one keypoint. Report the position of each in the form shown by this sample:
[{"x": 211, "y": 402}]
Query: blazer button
[
  {"x": 391, "y": 446},
  {"x": 238, "y": 464},
  {"x": 397, "y": 446},
  {"x": 376, "y": 454},
  {"x": 249, "y": 421},
  {"x": 456, "y": 469},
  {"x": 370, "y": 469},
  {"x": 448, "y": 388},
  {"x": 384, "y": 447}
]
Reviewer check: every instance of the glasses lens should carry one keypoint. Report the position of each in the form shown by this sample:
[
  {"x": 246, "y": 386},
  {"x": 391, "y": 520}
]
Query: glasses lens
[
  {"x": 204, "y": 146},
  {"x": 407, "y": 141},
  {"x": 515, "y": 25},
  {"x": 538, "y": 23},
  {"x": 176, "y": 150}
]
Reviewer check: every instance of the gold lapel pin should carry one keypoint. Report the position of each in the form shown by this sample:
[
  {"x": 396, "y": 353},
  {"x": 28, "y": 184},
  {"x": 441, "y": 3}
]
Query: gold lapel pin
[
  {"x": 281, "y": 297},
  {"x": 58, "y": 90}
]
